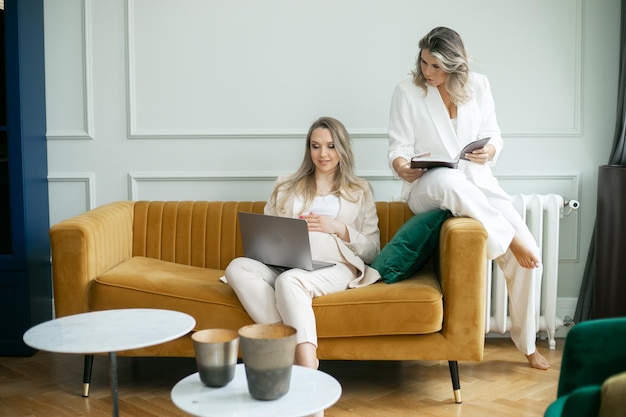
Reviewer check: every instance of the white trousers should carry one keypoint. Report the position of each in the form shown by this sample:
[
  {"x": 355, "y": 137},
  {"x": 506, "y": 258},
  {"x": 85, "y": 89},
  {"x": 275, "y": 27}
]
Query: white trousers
[
  {"x": 272, "y": 295},
  {"x": 451, "y": 189}
]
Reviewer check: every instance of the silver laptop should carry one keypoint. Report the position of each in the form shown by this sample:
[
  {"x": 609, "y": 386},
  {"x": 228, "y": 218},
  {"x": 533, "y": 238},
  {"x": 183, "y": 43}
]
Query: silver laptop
[{"x": 277, "y": 241}]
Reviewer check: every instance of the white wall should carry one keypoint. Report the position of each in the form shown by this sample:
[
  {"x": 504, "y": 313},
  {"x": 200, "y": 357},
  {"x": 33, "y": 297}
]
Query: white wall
[{"x": 211, "y": 99}]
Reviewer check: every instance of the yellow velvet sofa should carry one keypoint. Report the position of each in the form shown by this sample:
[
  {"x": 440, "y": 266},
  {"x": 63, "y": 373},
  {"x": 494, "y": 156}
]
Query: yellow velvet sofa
[{"x": 170, "y": 255}]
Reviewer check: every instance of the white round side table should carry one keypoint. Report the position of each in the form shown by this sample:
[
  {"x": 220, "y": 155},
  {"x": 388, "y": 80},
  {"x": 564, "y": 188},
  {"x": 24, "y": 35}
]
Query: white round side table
[
  {"x": 310, "y": 391},
  {"x": 109, "y": 331}
]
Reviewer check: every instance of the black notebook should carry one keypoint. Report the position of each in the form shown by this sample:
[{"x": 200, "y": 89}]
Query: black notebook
[{"x": 436, "y": 161}]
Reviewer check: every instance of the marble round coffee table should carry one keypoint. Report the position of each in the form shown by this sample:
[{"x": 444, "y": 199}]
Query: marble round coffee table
[
  {"x": 109, "y": 331},
  {"x": 310, "y": 391}
]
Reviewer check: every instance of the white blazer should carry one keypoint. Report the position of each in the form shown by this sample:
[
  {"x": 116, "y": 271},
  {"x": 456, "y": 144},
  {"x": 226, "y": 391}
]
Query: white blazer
[
  {"x": 361, "y": 219},
  {"x": 419, "y": 122}
]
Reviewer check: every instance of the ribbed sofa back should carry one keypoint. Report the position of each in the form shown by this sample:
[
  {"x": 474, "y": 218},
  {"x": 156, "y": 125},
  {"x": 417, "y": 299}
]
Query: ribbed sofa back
[{"x": 205, "y": 233}]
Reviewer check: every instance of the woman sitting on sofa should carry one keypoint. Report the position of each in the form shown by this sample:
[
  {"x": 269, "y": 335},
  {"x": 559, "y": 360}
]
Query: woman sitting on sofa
[{"x": 341, "y": 214}]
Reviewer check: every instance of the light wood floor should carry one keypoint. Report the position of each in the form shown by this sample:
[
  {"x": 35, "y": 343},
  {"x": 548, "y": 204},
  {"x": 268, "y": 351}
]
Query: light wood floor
[{"x": 503, "y": 385}]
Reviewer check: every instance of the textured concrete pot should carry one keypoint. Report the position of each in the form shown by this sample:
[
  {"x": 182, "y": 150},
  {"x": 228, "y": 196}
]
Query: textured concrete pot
[{"x": 268, "y": 352}]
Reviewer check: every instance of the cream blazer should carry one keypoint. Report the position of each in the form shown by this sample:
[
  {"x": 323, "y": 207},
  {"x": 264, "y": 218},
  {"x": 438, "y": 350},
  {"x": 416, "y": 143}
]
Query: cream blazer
[
  {"x": 419, "y": 122},
  {"x": 361, "y": 220}
]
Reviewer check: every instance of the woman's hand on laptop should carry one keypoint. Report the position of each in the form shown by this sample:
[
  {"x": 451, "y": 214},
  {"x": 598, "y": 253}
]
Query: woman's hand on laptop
[{"x": 325, "y": 224}]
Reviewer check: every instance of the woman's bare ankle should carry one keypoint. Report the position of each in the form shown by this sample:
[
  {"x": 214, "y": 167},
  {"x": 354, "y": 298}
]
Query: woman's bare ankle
[
  {"x": 306, "y": 355},
  {"x": 538, "y": 361},
  {"x": 525, "y": 257}
]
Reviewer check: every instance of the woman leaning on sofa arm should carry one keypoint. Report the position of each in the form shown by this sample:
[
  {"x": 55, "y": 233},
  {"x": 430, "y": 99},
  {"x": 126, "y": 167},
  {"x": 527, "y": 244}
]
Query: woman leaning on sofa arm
[
  {"x": 341, "y": 214},
  {"x": 443, "y": 107}
]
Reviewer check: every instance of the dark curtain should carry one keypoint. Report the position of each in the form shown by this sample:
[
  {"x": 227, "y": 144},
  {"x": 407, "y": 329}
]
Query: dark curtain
[{"x": 617, "y": 157}]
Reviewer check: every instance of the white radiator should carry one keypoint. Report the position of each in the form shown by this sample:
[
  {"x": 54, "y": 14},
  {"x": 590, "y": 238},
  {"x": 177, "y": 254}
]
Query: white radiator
[{"x": 542, "y": 214}]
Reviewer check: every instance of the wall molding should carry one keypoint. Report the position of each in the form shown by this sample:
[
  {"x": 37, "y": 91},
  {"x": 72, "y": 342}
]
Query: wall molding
[
  {"x": 376, "y": 175},
  {"x": 136, "y": 132},
  {"x": 88, "y": 179},
  {"x": 135, "y": 179},
  {"x": 576, "y": 130},
  {"x": 87, "y": 70},
  {"x": 246, "y": 134},
  {"x": 572, "y": 178}
]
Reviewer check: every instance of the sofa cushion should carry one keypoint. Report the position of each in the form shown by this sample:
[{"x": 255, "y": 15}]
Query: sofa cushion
[
  {"x": 142, "y": 282},
  {"x": 411, "y": 247},
  {"x": 415, "y": 304}
]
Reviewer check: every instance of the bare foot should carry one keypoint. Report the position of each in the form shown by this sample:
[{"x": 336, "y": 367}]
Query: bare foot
[
  {"x": 537, "y": 361},
  {"x": 525, "y": 257}
]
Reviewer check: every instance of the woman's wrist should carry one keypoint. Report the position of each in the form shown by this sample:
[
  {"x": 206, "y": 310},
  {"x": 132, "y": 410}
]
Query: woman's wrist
[
  {"x": 397, "y": 164},
  {"x": 343, "y": 233}
]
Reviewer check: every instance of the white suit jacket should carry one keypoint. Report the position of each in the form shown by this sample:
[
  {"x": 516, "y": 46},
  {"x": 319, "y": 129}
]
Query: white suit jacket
[
  {"x": 419, "y": 122},
  {"x": 361, "y": 219}
]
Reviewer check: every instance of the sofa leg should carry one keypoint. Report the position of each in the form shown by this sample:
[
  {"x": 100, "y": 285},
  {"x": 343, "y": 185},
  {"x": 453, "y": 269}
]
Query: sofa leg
[
  {"x": 87, "y": 374},
  {"x": 456, "y": 384}
]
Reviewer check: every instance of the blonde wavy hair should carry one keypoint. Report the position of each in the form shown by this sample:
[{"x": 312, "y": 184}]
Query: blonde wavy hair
[
  {"x": 447, "y": 47},
  {"x": 302, "y": 183}
]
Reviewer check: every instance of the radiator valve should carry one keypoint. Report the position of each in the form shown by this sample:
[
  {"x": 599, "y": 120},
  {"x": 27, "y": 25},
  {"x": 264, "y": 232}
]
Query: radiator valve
[
  {"x": 573, "y": 204},
  {"x": 569, "y": 206},
  {"x": 568, "y": 321}
]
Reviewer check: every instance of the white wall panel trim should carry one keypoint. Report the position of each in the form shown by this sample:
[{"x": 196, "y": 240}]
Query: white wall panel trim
[
  {"x": 569, "y": 176},
  {"x": 245, "y": 135},
  {"x": 576, "y": 129},
  {"x": 570, "y": 126},
  {"x": 86, "y": 178},
  {"x": 571, "y": 179},
  {"x": 136, "y": 178},
  {"x": 131, "y": 99},
  {"x": 87, "y": 70},
  {"x": 69, "y": 135}
]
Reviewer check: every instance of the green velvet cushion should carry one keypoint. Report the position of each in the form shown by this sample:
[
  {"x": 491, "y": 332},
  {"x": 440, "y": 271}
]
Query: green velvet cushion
[
  {"x": 582, "y": 402},
  {"x": 411, "y": 246}
]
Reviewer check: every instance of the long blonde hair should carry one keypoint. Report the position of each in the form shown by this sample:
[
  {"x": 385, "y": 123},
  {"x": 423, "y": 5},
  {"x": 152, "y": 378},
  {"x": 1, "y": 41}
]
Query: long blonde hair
[
  {"x": 302, "y": 182},
  {"x": 447, "y": 47}
]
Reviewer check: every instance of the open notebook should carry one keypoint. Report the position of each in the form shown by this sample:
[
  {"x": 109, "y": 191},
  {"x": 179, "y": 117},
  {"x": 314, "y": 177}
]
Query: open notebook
[{"x": 436, "y": 161}]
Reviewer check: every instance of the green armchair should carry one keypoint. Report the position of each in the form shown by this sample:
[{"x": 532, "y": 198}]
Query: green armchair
[{"x": 594, "y": 351}]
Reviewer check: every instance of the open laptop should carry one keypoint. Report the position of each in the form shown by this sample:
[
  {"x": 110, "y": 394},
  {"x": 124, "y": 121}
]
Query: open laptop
[{"x": 277, "y": 241}]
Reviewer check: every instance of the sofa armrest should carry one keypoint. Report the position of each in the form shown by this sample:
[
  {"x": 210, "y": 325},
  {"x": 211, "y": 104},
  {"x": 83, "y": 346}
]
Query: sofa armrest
[
  {"x": 84, "y": 247},
  {"x": 463, "y": 271}
]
